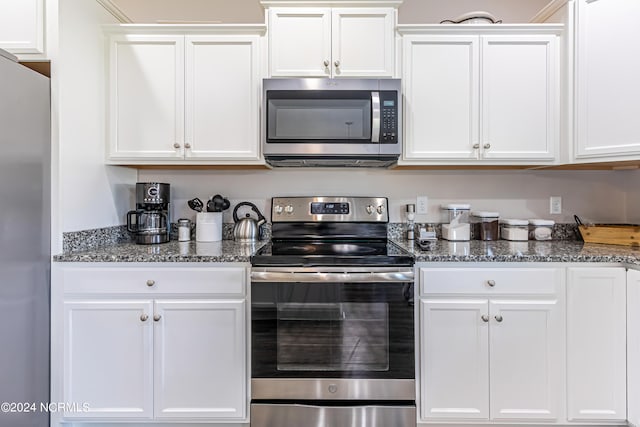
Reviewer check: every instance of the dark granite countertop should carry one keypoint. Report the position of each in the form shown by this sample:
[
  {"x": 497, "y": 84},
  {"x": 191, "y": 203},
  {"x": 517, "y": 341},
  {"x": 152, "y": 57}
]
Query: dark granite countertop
[
  {"x": 440, "y": 251},
  {"x": 174, "y": 251}
]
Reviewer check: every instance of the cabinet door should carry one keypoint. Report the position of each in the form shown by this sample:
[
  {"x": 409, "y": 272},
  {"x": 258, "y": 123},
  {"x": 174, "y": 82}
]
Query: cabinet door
[
  {"x": 222, "y": 97},
  {"x": 108, "y": 363},
  {"x": 362, "y": 43},
  {"x": 607, "y": 70},
  {"x": 441, "y": 79},
  {"x": 454, "y": 376},
  {"x": 300, "y": 42},
  {"x": 146, "y": 95},
  {"x": 520, "y": 98},
  {"x": 526, "y": 359},
  {"x": 200, "y": 359},
  {"x": 596, "y": 344},
  {"x": 22, "y": 26},
  {"x": 633, "y": 347}
]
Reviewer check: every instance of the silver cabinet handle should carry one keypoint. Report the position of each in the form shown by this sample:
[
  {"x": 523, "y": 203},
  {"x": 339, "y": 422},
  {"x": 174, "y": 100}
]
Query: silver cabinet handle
[
  {"x": 484, "y": 318},
  {"x": 491, "y": 283},
  {"x": 144, "y": 317},
  {"x": 151, "y": 282},
  {"x": 476, "y": 146},
  {"x": 326, "y": 62},
  {"x": 187, "y": 145},
  {"x": 498, "y": 318},
  {"x": 176, "y": 145},
  {"x": 156, "y": 317},
  {"x": 487, "y": 145},
  {"x": 337, "y": 63}
]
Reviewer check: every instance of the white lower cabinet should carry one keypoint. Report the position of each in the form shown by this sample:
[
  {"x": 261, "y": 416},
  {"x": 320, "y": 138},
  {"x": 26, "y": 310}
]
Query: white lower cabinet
[
  {"x": 633, "y": 347},
  {"x": 491, "y": 344},
  {"x": 596, "y": 344},
  {"x": 165, "y": 343}
]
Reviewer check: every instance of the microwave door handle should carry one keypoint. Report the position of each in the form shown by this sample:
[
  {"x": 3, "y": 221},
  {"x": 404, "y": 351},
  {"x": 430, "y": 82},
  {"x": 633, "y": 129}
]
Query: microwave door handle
[{"x": 375, "y": 116}]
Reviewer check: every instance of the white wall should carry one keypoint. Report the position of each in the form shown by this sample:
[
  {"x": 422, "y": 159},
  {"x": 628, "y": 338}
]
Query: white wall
[
  {"x": 89, "y": 194},
  {"x": 598, "y": 196},
  {"x": 250, "y": 11}
]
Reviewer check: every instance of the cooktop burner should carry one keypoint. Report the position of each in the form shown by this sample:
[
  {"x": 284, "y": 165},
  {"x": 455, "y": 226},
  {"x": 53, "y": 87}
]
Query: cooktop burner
[{"x": 316, "y": 253}]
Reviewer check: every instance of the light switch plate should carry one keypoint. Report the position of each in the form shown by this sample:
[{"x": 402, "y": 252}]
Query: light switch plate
[
  {"x": 422, "y": 204},
  {"x": 555, "y": 205}
]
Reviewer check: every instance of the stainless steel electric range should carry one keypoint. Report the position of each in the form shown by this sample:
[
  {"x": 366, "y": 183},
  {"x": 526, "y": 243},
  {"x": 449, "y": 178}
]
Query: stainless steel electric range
[{"x": 332, "y": 318}]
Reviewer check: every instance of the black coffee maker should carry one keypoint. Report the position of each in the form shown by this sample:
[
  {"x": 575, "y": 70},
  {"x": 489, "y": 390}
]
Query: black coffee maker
[{"x": 150, "y": 221}]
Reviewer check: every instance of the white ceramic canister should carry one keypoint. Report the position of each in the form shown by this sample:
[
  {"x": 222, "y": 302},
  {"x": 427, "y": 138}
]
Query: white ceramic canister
[{"x": 209, "y": 227}]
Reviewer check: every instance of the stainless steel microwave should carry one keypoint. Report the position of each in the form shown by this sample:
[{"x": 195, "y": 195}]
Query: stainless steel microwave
[{"x": 332, "y": 122}]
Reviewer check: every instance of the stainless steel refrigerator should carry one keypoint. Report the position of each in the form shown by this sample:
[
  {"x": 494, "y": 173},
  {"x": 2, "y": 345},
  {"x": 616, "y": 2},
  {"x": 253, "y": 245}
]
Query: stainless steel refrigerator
[{"x": 25, "y": 206}]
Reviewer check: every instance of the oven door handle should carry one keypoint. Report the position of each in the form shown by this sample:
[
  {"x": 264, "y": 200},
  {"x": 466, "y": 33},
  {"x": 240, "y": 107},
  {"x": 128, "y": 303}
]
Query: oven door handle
[{"x": 401, "y": 276}]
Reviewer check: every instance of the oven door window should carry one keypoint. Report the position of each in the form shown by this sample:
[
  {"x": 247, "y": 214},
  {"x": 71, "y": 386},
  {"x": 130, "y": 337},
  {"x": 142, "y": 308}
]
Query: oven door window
[
  {"x": 318, "y": 116},
  {"x": 347, "y": 336},
  {"x": 332, "y": 330}
]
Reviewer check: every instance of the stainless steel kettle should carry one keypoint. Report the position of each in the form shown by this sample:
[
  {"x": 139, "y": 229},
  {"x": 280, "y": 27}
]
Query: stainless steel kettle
[{"x": 247, "y": 228}]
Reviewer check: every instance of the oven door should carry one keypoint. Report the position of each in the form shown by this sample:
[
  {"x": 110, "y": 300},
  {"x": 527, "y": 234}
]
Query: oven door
[{"x": 332, "y": 334}]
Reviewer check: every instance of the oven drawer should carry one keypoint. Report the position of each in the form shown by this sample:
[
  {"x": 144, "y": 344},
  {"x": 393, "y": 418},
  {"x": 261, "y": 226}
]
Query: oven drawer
[
  {"x": 294, "y": 415},
  {"x": 489, "y": 281}
]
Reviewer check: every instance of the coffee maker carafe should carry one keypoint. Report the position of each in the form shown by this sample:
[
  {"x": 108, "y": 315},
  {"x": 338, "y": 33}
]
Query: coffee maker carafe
[{"x": 150, "y": 221}]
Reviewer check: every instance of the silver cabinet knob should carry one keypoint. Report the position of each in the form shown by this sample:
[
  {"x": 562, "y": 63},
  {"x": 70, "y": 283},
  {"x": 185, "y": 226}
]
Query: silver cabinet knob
[
  {"x": 498, "y": 318},
  {"x": 151, "y": 282},
  {"x": 176, "y": 145},
  {"x": 487, "y": 145},
  {"x": 484, "y": 318},
  {"x": 187, "y": 145},
  {"x": 144, "y": 317},
  {"x": 337, "y": 63},
  {"x": 491, "y": 283},
  {"x": 156, "y": 317},
  {"x": 476, "y": 146},
  {"x": 326, "y": 62}
]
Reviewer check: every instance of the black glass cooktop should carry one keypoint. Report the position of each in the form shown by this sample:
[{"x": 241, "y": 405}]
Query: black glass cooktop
[{"x": 292, "y": 253}]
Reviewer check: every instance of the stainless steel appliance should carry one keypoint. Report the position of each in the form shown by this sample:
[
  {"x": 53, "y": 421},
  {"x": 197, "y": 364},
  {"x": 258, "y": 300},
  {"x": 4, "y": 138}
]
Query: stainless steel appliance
[
  {"x": 150, "y": 220},
  {"x": 25, "y": 216},
  {"x": 332, "y": 122},
  {"x": 332, "y": 318}
]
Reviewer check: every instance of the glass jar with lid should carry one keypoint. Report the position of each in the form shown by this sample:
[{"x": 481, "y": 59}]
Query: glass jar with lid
[
  {"x": 486, "y": 224},
  {"x": 541, "y": 229},
  {"x": 455, "y": 220},
  {"x": 514, "y": 229}
]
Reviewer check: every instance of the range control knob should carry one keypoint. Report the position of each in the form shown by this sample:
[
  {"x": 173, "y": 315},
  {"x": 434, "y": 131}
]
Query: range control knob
[
  {"x": 278, "y": 209},
  {"x": 380, "y": 209},
  {"x": 370, "y": 209},
  {"x": 288, "y": 209}
]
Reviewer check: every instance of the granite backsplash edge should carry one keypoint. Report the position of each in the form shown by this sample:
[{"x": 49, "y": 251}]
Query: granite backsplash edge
[{"x": 86, "y": 240}]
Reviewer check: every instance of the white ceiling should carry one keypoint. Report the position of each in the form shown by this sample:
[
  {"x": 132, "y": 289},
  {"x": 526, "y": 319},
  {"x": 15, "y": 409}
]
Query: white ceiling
[{"x": 250, "y": 11}]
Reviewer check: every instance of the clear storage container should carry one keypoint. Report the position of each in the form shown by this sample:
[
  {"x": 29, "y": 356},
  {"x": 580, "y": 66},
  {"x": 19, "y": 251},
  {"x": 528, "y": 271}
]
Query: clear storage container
[
  {"x": 540, "y": 229},
  {"x": 455, "y": 220},
  {"x": 486, "y": 224},
  {"x": 514, "y": 229}
]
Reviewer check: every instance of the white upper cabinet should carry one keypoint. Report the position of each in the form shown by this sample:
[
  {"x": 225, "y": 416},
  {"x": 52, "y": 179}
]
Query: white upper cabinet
[
  {"x": 487, "y": 98},
  {"x": 190, "y": 98},
  {"x": 22, "y": 27},
  {"x": 331, "y": 42},
  {"x": 607, "y": 98}
]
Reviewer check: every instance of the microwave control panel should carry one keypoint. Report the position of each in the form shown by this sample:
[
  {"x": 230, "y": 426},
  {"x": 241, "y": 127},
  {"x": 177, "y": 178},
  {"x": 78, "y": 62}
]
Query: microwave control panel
[{"x": 389, "y": 119}]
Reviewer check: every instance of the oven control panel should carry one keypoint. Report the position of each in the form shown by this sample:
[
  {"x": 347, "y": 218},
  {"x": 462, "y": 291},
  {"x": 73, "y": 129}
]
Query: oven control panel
[{"x": 329, "y": 209}]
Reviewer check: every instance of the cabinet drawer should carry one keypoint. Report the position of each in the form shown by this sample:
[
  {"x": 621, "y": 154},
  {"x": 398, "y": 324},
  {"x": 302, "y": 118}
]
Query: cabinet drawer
[
  {"x": 155, "y": 280},
  {"x": 489, "y": 280}
]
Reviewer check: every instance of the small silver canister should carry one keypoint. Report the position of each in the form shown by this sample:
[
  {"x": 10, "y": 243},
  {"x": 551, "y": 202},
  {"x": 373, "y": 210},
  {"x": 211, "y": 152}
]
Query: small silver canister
[{"x": 184, "y": 230}]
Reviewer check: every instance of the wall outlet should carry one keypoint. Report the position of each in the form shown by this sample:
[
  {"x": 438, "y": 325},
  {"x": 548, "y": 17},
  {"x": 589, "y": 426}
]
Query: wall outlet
[
  {"x": 555, "y": 205},
  {"x": 422, "y": 204}
]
